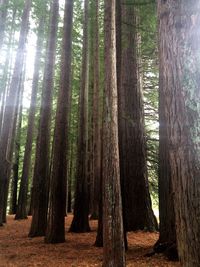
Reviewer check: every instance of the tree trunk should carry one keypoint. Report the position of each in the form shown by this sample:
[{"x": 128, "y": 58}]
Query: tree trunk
[
  {"x": 167, "y": 231},
  {"x": 96, "y": 116},
  {"x": 80, "y": 221},
  {"x": 179, "y": 69},
  {"x": 113, "y": 239},
  {"x": 138, "y": 213},
  {"x": 22, "y": 200},
  {"x": 10, "y": 107},
  {"x": 40, "y": 193},
  {"x": 57, "y": 207}
]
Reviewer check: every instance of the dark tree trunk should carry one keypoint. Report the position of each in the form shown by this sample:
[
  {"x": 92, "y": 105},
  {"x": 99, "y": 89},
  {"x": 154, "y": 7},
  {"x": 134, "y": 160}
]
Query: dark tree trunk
[
  {"x": 9, "y": 109},
  {"x": 57, "y": 206},
  {"x": 40, "y": 193},
  {"x": 113, "y": 238},
  {"x": 179, "y": 69},
  {"x": 138, "y": 213},
  {"x": 96, "y": 117},
  {"x": 80, "y": 221},
  {"x": 22, "y": 200},
  {"x": 167, "y": 231}
]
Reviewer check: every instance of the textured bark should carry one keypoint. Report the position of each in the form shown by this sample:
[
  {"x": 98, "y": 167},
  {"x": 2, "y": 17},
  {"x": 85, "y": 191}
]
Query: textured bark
[
  {"x": 10, "y": 107},
  {"x": 113, "y": 238},
  {"x": 57, "y": 206},
  {"x": 167, "y": 231},
  {"x": 180, "y": 57},
  {"x": 138, "y": 213},
  {"x": 96, "y": 117},
  {"x": 80, "y": 221},
  {"x": 41, "y": 169},
  {"x": 22, "y": 200}
]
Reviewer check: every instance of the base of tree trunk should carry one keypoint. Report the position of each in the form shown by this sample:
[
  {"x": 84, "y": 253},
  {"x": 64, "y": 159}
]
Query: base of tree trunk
[
  {"x": 79, "y": 227},
  {"x": 99, "y": 241},
  {"x": 168, "y": 249},
  {"x": 54, "y": 240},
  {"x": 36, "y": 234}
]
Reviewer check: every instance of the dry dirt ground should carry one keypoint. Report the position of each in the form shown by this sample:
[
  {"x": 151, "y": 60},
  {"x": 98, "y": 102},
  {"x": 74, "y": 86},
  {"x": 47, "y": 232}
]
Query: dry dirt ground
[{"x": 16, "y": 249}]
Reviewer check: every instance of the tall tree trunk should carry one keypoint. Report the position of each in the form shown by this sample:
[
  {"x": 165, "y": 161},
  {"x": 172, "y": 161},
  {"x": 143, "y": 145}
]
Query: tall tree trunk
[
  {"x": 10, "y": 107},
  {"x": 40, "y": 193},
  {"x": 57, "y": 207},
  {"x": 96, "y": 116},
  {"x": 138, "y": 213},
  {"x": 113, "y": 239},
  {"x": 179, "y": 69},
  {"x": 80, "y": 221},
  {"x": 167, "y": 231},
  {"x": 22, "y": 200}
]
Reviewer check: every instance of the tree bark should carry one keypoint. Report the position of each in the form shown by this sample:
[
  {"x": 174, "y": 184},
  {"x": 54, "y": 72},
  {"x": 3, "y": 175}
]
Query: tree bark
[
  {"x": 113, "y": 238},
  {"x": 179, "y": 58},
  {"x": 40, "y": 191},
  {"x": 57, "y": 206},
  {"x": 96, "y": 116},
  {"x": 138, "y": 213},
  {"x": 80, "y": 221}
]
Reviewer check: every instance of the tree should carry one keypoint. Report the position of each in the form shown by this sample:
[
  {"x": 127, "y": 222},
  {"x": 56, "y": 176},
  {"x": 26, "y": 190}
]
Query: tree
[
  {"x": 80, "y": 221},
  {"x": 167, "y": 231},
  {"x": 40, "y": 193},
  {"x": 113, "y": 240},
  {"x": 138, "y": 213},
  {"x": 179, "y": 68},
  {"x": 10, "y": 107},
  {"x": 57, "y": 206},
  {"x": 22, "y": 199},
  {"x": 96, "y": 115}
]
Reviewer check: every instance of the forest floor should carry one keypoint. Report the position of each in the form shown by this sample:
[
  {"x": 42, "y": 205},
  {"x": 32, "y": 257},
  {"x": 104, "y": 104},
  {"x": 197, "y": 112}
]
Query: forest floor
[{"x": 16, "y": 249}]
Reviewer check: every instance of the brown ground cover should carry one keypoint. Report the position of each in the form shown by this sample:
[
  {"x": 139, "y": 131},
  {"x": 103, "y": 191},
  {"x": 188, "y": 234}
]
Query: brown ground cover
[{"x": 16, "y": 249}]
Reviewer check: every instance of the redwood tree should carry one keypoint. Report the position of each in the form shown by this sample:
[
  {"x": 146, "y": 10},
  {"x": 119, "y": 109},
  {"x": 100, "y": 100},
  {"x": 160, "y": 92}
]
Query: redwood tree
[
  {"x": 40, "y": 193},
  {"x": 113, "y": 240},
  {"x": 57, "y": 206},
  {"x": 138, "y": 213},
  {"x": 179, "y": 33},
  {"x": 80, "y": 221}
]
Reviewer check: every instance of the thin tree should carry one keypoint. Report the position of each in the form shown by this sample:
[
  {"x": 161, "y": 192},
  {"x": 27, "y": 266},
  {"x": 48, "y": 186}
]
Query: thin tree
[
  {"x": 10, "y": 107},
  {"x": 179, "y": 35},
  {"x": 96, "y": 116},
  {"x": 80, "y": 221},
  {"x": 57, "y": 206},
  {"x": 113, "y": 239},
  {"x": 40, "y": 193}
]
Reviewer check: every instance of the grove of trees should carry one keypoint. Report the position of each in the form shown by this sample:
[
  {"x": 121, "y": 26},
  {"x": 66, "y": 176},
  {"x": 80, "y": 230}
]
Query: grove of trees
[{"x": 100, "y": 116}]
